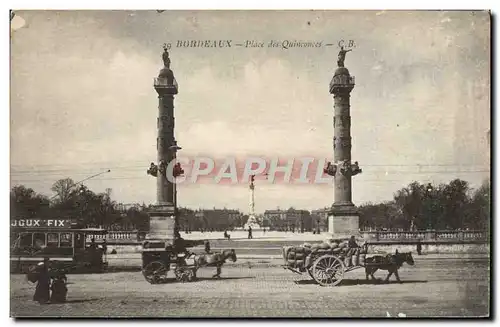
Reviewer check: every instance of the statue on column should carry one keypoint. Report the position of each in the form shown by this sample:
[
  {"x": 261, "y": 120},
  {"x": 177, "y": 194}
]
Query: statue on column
[
  {"x": 178, "y": 171},
  {"x": 165, "y": 57},
  {"x": 330, "y": 169},
  {"x": 153, "y": 170},
  {"x": 162, "y": 168},
  {"x": 345, "y": 168},
  {"x": 341, "y": 57},
  {"x": 166, "y": 73},
  {"x": 348, "y": 169},
  {"x": 355, "y": 169}
]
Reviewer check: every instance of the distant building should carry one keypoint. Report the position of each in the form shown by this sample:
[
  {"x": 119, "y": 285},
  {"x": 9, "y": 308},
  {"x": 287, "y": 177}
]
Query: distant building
[
  {"x": 124, "y": 207},
  {"x": 216, "y": 219},
  {"x": 292, "y": 220},
  {"x": 320, "y": 219}
]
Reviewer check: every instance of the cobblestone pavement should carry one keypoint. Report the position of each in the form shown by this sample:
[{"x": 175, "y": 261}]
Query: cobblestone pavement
[{"x": 453, "y": 287}]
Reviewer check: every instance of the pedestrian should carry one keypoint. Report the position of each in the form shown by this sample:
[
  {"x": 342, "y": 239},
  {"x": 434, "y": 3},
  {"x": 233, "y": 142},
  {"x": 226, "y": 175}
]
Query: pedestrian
[
  {"x": 207, "y": 247},
  {"x": 104, "y": 246},
  {"x": 59, "y": 289},
  {"x": 250, "y": 232},
  {"x": 177, "y": 234},
  {"x": 419, "y": 247},
  {"x": 92, "y": 243},
  {"x": 42, "y": 291}
]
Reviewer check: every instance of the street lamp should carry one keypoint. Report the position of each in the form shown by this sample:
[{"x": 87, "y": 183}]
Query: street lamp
[{"x": 429, "y": 194}]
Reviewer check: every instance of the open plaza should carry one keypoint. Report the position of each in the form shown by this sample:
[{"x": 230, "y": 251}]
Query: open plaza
[{"x": 437, "y": 286}]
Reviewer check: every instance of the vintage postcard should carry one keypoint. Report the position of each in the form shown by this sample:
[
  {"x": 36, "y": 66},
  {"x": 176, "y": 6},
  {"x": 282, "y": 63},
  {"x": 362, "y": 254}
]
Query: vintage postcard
[{"x": 233, "y": 164}]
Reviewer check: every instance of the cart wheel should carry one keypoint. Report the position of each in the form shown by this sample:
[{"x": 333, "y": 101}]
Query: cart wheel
[
  {"x": 155, "y": 272},
  {"x": 328, "y": 270}
]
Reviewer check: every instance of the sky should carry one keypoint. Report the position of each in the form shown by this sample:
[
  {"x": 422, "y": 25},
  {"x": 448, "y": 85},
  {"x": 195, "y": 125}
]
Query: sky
[{"x": 82, "y": 99}]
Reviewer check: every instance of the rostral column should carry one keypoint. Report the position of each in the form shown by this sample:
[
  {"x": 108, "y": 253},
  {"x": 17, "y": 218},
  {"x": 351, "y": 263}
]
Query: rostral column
[
  {"x": 343, "y": 218},
  {"x": 163, "y": 216}
]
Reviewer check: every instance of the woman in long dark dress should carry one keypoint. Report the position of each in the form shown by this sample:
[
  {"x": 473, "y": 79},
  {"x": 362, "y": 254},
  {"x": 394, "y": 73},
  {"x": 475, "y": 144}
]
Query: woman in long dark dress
[{"x": 42, "y": 292}]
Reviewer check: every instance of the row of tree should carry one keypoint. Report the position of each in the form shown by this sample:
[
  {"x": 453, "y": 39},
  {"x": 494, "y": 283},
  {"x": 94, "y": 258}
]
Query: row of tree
[
  {"x": 418, "y": 206},
  {"x": 79, "y": 203},
  {"x": 425, "y": 206}
]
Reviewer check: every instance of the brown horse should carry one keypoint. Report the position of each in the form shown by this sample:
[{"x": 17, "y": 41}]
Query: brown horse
[
  {"x": 390, "y": 262},
  {"x": 215, "y": 260}
]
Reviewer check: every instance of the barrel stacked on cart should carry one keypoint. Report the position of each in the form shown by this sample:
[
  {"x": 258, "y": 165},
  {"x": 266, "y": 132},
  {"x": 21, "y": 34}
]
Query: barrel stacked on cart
[{"x": 330, "y": 259}]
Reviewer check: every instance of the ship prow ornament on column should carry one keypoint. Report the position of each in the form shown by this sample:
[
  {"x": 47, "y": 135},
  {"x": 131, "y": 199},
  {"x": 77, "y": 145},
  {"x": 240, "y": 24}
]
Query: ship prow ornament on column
[
  {"x": 343, "y": 218},
  {"x": 163, "y": 215}
]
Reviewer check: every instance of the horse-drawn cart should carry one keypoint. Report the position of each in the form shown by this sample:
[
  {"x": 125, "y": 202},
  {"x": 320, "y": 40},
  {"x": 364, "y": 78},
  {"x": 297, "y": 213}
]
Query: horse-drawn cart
[
  {"x": 326, "y": 263},
  {"x": 158, "y": 259}
]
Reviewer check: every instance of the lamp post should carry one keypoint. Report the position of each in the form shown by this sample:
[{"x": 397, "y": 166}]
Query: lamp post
[{"x": 429, "y": 192}]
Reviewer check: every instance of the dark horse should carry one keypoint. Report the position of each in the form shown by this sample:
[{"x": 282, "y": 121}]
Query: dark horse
[
  {"x": 390, "y": 262},
  {"x": 215, "y": 260}
]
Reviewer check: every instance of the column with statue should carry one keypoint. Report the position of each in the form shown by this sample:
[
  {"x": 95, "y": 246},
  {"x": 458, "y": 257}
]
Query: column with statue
[
  {"x": 343, "y": 218},
  {"x": 163, "y": 215},
  {"x": 252, "y": 222}
]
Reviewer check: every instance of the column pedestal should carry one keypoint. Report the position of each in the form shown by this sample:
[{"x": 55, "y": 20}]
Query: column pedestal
[
  {"x": 343, "y": 221},
  {"x": 162, "y": 223}
]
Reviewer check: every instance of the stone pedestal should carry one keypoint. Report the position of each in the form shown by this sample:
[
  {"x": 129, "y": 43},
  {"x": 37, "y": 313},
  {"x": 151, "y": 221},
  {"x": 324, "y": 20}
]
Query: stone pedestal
[
  {"x": 162, "y": 223},
  {"x": 252, "y": 222},
  {"x": 343, "y": 221}
]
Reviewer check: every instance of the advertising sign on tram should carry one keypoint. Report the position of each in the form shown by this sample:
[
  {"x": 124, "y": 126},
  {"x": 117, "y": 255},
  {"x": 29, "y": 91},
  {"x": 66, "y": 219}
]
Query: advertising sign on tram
[{"x": 41, "y": 223}]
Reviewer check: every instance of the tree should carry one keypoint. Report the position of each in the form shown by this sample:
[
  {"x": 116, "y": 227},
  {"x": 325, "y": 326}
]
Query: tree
[
  {"x": 443, "y": 206},
  {"x": 379, "y": 216},
  {"x": 25, "y": 203},
  {"x": 89, "y": 208},
  {"x": 409, "y": 202},
  {"x": 455, "y": 202},
  {"x": 63, "y": 189},
  {"x": 479, "y": 213}
]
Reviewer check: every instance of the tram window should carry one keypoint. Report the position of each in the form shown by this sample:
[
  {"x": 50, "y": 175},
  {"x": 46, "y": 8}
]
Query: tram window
[
  {"x": 79, "y": 240},
  {"x": 26, "y": 240},
  {"x": 66, "y": 240},
  {"x": 52, "y": 240},
  {"x": 39, "y": 240}
]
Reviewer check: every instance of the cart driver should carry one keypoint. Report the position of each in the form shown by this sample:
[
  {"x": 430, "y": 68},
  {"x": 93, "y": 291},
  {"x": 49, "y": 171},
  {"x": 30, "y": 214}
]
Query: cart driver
[{"x": 352, "y": 243}]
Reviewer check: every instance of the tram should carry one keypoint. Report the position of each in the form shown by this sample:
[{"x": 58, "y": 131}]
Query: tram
[{"x": 67, "y": 246}]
